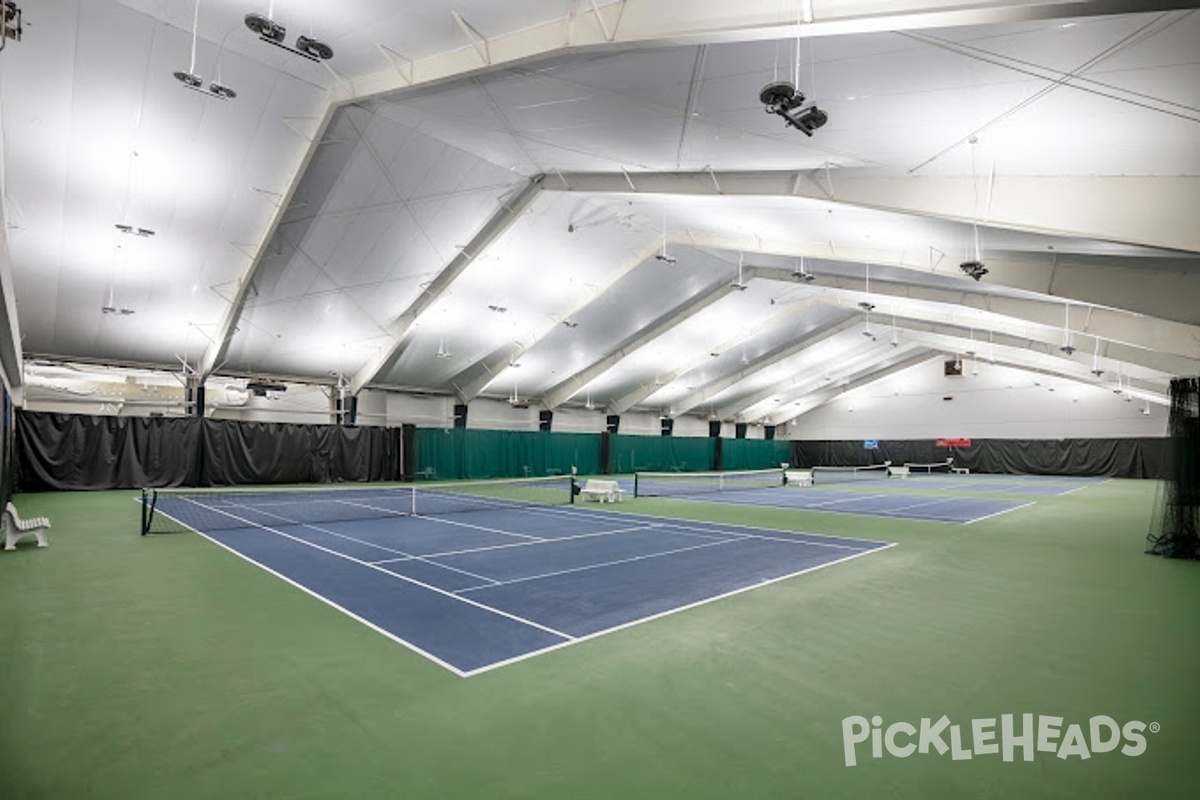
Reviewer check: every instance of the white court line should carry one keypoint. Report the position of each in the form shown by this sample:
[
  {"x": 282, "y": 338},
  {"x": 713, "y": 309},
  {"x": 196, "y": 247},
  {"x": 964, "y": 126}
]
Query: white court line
[
  {"x": 715, "y": 528},
  {"x": 668, "y": 612},
  {"x": 406, "y": 556},
  {"x": 790, "y": 540},
  {"x": 484, "y": 528},
  {"x": 851, "y": 499},
  {"x": 603, "y": 564},
  {"x": 725, "y": 526},
  {"x": 998, "y": 513},
  {"x": 382, "y": 571},
  {"x": 934, "y": 502},
  {"x": 548, "y": 541},
  {"x": 312, "y": 593}
]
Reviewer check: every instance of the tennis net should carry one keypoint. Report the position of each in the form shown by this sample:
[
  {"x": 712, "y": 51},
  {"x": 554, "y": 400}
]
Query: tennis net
[
  {"x": 682, "y": 484},
  {"x": 939, "y": 468},
  {"x": 174, "y": 510},
  {"x": 827, "y": 475}
]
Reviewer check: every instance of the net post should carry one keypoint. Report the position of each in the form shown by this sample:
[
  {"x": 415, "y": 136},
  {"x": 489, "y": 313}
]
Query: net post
[
  {"x": 148, "y": 509},
  {"x": 413, "y": 504},
  {"x": 635, "y": 484}
]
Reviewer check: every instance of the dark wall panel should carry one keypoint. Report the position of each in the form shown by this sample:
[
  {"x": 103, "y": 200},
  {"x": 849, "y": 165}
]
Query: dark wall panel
[
  {"x": 70, "y": 451},
  {"x": 1116, "y": 458}
]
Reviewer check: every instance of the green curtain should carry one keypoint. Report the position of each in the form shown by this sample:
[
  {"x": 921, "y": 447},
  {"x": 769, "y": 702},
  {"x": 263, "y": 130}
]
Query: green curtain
[
  {"x": 661, "y": 453},
  {"x": 754, "y": 453},
  {"x": 454, "y": 453}
]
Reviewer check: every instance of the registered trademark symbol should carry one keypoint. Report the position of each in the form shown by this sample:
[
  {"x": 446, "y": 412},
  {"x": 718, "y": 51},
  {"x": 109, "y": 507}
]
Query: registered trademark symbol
[{"x": 1155, "y": 727}]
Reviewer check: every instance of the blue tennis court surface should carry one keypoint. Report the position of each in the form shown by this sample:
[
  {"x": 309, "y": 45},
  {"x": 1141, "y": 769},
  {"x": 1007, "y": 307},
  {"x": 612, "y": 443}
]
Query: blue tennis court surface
[
  {"x": 982, "y": 483},
  {"x": 883, "y": 504},
  {"x": 476, "y": 590}
]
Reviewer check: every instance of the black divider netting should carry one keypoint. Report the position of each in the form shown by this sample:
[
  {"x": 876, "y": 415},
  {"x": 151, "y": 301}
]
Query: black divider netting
[
  {"x": 175, "y": 510},
  {"x": 1175, "y": 531}
]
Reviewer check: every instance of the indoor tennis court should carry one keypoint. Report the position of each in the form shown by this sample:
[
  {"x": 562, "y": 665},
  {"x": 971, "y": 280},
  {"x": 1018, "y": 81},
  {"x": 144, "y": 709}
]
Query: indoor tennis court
[{"x": 599, "y": 399}]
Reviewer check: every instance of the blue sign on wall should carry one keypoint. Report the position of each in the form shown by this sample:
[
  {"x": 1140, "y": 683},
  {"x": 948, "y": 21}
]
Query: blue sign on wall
[{"x": 870, "y": 444}]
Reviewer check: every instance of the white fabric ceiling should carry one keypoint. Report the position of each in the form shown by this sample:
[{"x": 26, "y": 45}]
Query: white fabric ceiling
[{"x": 494, "y": 230}]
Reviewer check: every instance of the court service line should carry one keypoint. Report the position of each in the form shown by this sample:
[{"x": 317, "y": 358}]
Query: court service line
[
  {"x": 670, "y": 611},
  {"x": 533, "y": 539},
  {"x": 842, "y": 501},
  {"x": 587, "y": 567},
  {"x": 549, "y": 540},
  {"x": 789, "y": 540},
  {"x": 998, "y": 513},
  {"x": 393, "y": 575},
  {"x": 322, "y": 598},
  {"x": 406, "y": 556}
]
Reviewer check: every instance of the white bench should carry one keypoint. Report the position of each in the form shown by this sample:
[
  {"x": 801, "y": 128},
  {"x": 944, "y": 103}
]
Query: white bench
[
  {"x": 601, "y": 491},
  {"x": 960, "y": 470},
  {"x": 798, "y": 477},
  {"x": 16, "y": 529},
  {"x": 898, "y": 472}
]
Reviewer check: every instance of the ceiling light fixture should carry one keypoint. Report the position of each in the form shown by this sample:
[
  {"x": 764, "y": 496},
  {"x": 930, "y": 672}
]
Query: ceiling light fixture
[
  {"x": 973, "y": 267},
  {"x": 10, "y": 19},
  {"x": 1067, "y": 346},
  {"x": 738, "y": 283},
  {"x": 144, "y": 233},
  {"x": 1096, "y": 360},
  {"x": 895, "y": 338},
  {"x": 662, "y": 254},
  {"x": 273, "y": 33},
  {"x": 782, "y": 99},
  {"x": 442, "y": 352},
  {"x": 191, "y": 80},
  {"x": 800, "y": 274}
]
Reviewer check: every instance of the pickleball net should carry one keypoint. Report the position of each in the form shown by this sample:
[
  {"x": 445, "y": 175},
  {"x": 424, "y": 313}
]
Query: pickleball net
[
  {"x": 683, "y": 484},
  {"x": 176, "y": 510},
  {"x": 937, "y": 468},
  {"x": 827, "y": 475}
]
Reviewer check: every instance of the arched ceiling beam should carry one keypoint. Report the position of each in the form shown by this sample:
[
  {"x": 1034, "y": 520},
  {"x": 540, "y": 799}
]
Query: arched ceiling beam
[
  {"x": 561, "y": 392},
  {"x": 787, "y": 350},
  {"x": 470, "y": 382},
  {"x": 820, "y": 397},
  {"x": 652, "y": 23},
  {"x": 1150, "y": 211},
  {"x": 860, "y": 357},
  {"x": 508, "y": 212},
  {"x": 1087, "y": 323}
]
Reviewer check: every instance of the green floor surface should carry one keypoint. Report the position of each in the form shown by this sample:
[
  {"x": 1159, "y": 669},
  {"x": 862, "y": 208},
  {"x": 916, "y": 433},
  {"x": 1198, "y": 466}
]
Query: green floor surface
[{"x": 166, "y": 667}]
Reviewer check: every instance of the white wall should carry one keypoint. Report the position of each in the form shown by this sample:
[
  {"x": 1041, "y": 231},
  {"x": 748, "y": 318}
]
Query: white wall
[{"x": 998, "y": 403}]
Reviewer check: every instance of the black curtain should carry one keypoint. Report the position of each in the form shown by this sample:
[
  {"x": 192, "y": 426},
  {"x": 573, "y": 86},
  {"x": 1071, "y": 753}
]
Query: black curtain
[
  {"x": 1114, "y": 458},
  {"x": 71, "y": 451}
]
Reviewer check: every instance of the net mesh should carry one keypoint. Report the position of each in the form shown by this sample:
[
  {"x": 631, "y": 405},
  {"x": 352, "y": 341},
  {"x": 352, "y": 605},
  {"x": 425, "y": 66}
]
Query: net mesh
[
  {"x": 1175, "y": 531},
  {"x": 827, "y": 475},
  {"x": 940, "y": 468},
  {"x": 682, "y": 484},
  {"x": 173, "y": 510}
]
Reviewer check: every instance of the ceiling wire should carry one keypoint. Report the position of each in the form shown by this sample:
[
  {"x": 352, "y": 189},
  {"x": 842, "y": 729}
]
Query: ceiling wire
[
  {"x": 1056, "y": 83},
  {"x": 1106, "y": 90},
  {"x": 195, "y": 25}
]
